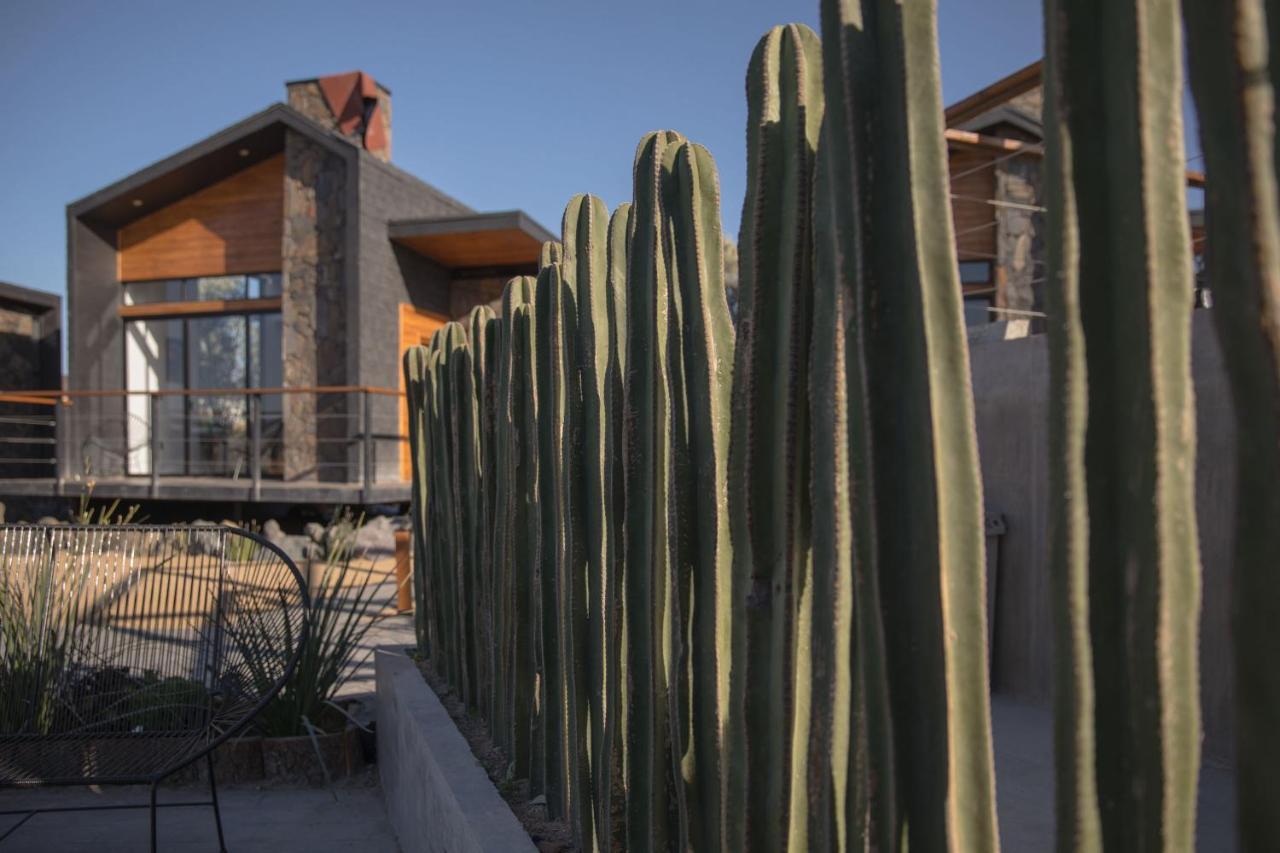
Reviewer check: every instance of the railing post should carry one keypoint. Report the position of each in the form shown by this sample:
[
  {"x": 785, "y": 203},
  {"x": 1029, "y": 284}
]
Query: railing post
[
  {"x": 61, "y": 433},
  {"x": 404, "y": 586},
  {"x": 154, "y": 416},
  {"x": 366, "y": 442},
  {"x": 255, "y": 444}
]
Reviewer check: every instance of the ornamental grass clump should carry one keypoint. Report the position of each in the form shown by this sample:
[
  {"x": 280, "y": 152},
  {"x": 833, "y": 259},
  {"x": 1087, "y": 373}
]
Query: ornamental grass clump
[{"x": 343, "y": 609}]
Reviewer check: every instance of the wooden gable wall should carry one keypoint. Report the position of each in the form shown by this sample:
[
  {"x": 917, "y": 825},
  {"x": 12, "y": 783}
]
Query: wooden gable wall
[{"x": 233, "y": 226}]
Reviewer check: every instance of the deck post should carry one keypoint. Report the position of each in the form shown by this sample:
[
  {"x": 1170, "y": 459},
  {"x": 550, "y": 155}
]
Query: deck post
[
  {"x": 255, "y": 444},
  {"x": 366, "y": 443},
  {"x": 61, "y": 440},
  {"x": 154, "y": 416}
]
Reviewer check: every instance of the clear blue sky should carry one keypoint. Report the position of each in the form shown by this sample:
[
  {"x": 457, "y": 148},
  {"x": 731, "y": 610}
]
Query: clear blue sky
[{"x": 500, "y": 104}]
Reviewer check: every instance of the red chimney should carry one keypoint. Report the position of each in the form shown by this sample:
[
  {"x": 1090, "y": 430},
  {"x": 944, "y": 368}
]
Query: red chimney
[{"x": 352, "y": 104}]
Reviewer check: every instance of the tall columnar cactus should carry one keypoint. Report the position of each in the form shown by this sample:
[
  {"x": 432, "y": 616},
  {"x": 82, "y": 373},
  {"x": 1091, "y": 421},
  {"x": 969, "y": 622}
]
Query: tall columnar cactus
[
  {"x": 648, "y": 462},
  {"x": 895, "y": 258},
  {"x": 1226, "y": 44},
  {"x": 462, "y": 419},
  {"x": 414, "y": 364},
  {"x": 770, "y": 492},
  {"x": 482, "y": 337},
  {"x": 711, "y": 603},
  {"x": 613, "y": 617},
  {"x": 516, "y": 529},
  {"x": 1121, "y": 261},
  {"x": 586, "y": 264},
  {"x": 562, "y": 566}
]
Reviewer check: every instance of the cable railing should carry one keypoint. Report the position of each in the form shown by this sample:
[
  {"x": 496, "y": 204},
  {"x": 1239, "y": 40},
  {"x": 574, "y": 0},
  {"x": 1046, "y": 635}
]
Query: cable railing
[{"x": 346, "y": 434}]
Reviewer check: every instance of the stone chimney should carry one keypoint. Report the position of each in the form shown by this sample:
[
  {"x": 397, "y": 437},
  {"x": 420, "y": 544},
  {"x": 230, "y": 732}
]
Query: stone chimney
[{"x": 352, "y": 104}]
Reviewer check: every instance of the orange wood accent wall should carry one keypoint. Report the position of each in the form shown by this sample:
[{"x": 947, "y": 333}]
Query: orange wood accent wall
[
  {"x": 416, "y": 327},
  {"x": 974, "y": 221},
  {"x": 233, "y": 226}
]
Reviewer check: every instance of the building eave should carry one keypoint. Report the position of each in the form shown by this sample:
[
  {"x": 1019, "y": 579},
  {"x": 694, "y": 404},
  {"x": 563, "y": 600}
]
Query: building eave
[{"x": 201, "y": 164}]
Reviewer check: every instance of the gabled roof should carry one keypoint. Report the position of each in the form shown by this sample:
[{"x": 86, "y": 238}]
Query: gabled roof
[
  {"x": 208, "y": 161},
  {"x": 1005, "y": 114},
  {"x": 1000, "y": 92},
  {"x": 29, "y": 297}
]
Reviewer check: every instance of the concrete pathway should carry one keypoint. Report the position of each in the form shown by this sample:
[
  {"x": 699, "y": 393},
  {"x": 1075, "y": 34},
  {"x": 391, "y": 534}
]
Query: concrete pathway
[
  {"x": 271, "y": 821},
  {"x": 1024, "y": 784}
]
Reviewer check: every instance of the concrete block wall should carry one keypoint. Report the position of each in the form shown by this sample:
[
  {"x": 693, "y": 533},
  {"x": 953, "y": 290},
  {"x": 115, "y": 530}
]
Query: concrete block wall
[
  {"x": 1011, "y": 388},
  {"x": 438, "y": 796}
]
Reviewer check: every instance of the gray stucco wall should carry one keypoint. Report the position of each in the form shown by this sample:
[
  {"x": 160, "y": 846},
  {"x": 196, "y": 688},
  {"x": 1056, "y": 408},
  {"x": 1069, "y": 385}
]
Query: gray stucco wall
[
  {"x": 95, "y": 347},
  {"x": 390, "y": 275},
  {"x": 1011, "y": 399}
]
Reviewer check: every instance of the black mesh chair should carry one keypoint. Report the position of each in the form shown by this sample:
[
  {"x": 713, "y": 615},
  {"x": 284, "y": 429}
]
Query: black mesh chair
[{"x": 129, "y": 652}]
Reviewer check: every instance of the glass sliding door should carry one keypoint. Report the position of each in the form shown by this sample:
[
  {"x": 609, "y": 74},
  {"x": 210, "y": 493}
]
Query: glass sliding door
[
  {"x": 218, "y": 424},
  {"x": 155, "y": 361},
  {"x": 194, "y": 351},
  {"x": 266, "y": 363}
]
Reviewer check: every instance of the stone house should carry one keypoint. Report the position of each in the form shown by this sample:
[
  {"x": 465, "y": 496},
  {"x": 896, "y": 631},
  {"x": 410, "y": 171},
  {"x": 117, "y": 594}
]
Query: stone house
[
  {"x": 30, "y": 362},
  {"x": 995, "y": 150},
  {"x": 281, "y": 266}
]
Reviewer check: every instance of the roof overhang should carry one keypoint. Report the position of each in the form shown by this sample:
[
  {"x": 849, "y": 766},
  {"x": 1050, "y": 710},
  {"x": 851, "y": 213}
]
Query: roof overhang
[
  {"x": 1021, "y": 81},
  {"x": 256, "y": 138},
  {"x": 37, "y": 301},
  {"x": 504, "y": 240}
]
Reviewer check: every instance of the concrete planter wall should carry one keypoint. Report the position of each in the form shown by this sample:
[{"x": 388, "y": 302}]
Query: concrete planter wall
[{"x": 438, "y": 796}]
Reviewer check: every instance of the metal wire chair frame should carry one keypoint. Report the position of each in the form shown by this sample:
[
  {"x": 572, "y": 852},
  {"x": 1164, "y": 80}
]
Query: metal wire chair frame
[{"x": 154, "y": 779}]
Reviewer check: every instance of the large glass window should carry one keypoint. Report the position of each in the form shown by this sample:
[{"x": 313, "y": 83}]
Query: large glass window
[
  {"x": 204, "y": 434},
  {"x": 206, "y": 288}
]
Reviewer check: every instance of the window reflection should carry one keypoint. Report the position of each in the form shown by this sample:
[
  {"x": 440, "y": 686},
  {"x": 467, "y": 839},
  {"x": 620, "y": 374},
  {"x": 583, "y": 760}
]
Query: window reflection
[{"x": 205, "y": 434}]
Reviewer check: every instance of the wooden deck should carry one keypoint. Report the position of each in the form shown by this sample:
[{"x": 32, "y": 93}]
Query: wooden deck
[{"x": 213, "y": 489}]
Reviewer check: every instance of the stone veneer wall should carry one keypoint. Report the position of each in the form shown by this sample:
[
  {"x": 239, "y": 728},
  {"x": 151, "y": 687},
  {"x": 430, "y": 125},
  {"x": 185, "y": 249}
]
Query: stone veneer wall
[
  {"x": 1019, "y": 236},
  {"x": 314, "y": 308},
  {"x": 19, "y": 349}
]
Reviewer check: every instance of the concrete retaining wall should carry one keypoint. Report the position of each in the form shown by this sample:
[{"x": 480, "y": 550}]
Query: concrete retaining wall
[
  {"x": 438, "y": 796},
  {"x": 1011, "y": 387}
]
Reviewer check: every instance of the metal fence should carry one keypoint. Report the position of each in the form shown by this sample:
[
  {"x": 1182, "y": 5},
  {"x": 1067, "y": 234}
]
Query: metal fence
[{"x": 327, "y": 434}]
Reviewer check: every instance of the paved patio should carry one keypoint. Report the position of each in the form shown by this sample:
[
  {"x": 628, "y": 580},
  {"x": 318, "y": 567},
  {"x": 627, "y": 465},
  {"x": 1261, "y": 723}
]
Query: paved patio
[{"x": 271, "y": 821}]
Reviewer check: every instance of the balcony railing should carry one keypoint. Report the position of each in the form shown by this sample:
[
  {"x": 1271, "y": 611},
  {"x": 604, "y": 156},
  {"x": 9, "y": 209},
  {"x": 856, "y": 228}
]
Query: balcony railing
[{"x": 333, "y": 435}]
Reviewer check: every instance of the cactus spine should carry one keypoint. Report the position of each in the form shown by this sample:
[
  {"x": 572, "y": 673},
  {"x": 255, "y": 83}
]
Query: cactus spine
[
  {"x": 1124, "y": 258},
  {"x": 1225, "y": 44}
]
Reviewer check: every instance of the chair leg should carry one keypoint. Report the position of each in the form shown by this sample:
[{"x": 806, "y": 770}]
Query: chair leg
[
  {"x": 217, "y": 814},
  {"x": 153, "y": 816}
]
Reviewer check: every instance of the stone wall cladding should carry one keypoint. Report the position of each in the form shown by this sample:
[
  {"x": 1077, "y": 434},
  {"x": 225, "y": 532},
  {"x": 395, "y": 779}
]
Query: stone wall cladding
[
  {"x": 314, "y": 307},
  {"x": 390, "y": 275},
  {"x": 19, "y": 349},
  {"x": 1020, "y": 236},
  {"x": 467, "y": 293},
  {"x": 306, "y": 98}
]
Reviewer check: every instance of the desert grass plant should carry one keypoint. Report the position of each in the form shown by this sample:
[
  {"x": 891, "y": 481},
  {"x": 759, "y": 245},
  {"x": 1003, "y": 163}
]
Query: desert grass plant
[
  {"x": 41, "y": 639},
  {"x": 344, "y": 602}
]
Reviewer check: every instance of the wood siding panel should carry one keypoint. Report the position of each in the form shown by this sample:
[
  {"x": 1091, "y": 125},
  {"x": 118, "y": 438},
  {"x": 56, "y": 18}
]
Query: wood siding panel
[
  {"x": 464, "y": 249},
  {"x": 975, "y": 221},
  {"x": 234, "y": 226}
]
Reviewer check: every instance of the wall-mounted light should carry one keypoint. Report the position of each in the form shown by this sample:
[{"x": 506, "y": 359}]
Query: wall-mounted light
[
  {"x": 244, "y": 152},
  {"x": 137, "y": 202}
]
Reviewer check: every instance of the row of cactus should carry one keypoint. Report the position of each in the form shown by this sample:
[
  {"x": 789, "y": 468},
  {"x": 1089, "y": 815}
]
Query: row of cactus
[{"x": 723, "y": 588}]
